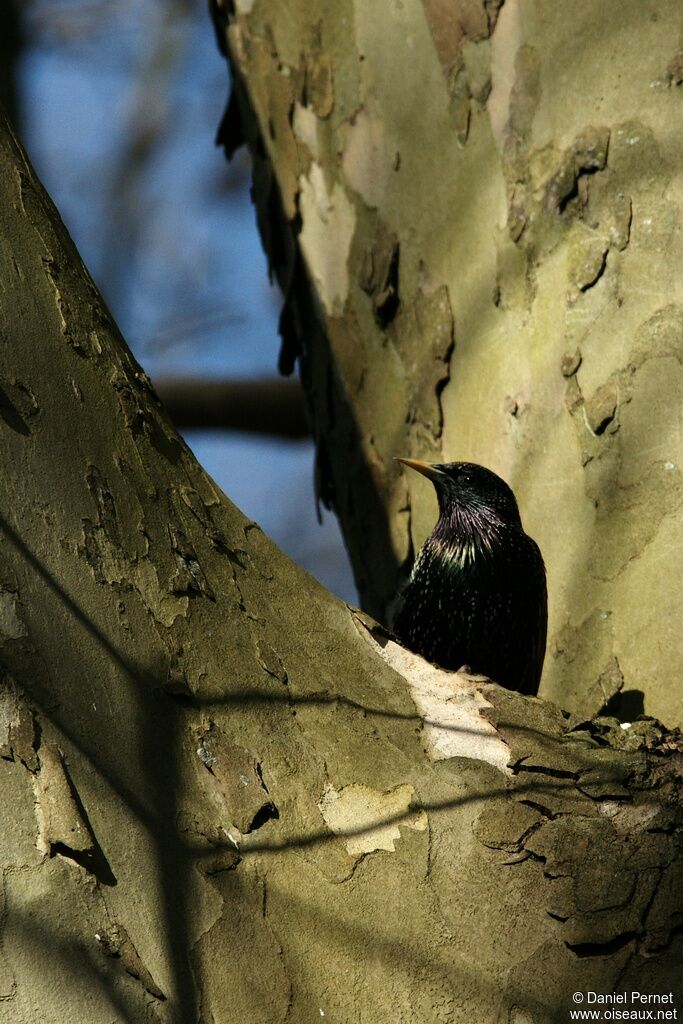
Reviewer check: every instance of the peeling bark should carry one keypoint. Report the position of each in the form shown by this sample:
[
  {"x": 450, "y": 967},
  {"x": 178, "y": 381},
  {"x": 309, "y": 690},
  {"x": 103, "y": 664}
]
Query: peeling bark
[
  {"x": 296, "y": 814},
  {"x": 497, "y": 156}
]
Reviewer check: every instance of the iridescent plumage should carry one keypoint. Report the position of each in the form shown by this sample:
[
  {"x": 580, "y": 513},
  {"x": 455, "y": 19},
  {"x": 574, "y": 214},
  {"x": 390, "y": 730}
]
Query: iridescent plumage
[{"x": 477, "y": 593}]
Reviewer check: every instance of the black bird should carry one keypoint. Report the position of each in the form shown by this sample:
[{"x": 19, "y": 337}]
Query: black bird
[{"x": 477, "y": 593}]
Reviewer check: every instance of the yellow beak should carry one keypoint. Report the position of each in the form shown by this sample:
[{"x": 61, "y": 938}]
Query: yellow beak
[{"x": 426, "y": 468}]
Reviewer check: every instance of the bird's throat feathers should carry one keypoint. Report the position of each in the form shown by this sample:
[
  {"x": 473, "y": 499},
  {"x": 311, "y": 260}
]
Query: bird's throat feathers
[{"x": 465, "y": 535}]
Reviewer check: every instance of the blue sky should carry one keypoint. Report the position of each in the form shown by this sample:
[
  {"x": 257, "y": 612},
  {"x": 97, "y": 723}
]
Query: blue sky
[{"x": 120, "y": 104}]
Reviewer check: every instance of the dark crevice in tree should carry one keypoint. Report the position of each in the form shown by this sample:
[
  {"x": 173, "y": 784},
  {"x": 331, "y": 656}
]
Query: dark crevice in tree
[
  {"x": 93, "y": 861},
  {"x": 588, "y": 949},
  {"x": 11, "y": 415},
  {"x": 573, "y": 193},
  {"x": 266, "y": 813},
  {"x": 554, "y": 773}
]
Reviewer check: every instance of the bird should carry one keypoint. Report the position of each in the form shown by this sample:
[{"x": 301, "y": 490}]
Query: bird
[{"x": 477, "y": 597}]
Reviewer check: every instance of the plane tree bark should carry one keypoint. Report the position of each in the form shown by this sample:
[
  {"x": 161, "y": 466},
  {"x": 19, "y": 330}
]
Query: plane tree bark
[
  {"x": 472, "y": 208},
  {"x": 228, "y": 795}
]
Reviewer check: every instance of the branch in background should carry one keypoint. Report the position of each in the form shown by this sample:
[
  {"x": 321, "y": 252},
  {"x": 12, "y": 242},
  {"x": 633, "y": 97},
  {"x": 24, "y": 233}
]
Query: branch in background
[
  {"x": 269, "y": 406},
  {"x": 11, "y": 44}
]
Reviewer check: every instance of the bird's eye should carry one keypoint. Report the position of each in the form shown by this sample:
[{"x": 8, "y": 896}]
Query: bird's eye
[{"x": 462, "y": 478}]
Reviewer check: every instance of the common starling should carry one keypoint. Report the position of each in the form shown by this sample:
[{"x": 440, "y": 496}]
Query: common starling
[{"x": 477, "y": 593}]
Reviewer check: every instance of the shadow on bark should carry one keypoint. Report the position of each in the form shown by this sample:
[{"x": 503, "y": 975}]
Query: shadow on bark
[
  {"x": 160, "y": 735},
  {"x": 98, "y": 968},
  {"x": 162, "y": 730}
]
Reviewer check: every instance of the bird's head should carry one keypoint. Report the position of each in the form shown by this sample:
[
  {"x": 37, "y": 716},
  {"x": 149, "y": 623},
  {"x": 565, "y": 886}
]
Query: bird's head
[{"x": 464, "y": 488}]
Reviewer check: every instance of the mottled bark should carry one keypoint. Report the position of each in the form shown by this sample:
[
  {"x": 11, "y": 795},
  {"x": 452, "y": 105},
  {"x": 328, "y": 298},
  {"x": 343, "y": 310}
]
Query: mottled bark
[
  {"x": 474, "y": 211},
  {"x": 227, "y": 795}
]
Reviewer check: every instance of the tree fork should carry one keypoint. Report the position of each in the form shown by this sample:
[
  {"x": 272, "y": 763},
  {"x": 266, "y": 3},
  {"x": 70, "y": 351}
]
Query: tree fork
[
  {"x": 232, "y": 796},
  {"x": 474, "y": 236}
]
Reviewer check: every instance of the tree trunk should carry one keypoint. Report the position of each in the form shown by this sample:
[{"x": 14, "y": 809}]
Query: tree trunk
[
  {"x": 232, "y": 796},
  {"x": 472, "y": 208}
]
